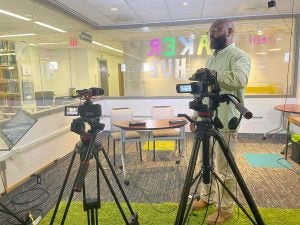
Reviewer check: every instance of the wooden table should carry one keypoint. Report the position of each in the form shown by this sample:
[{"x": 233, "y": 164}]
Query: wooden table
[
  {"x": 148, "y": 125},
  {"x": 285, "y": 108}
]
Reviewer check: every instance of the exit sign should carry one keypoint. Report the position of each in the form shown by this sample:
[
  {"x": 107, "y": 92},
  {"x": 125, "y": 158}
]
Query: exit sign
[{"x": 73, "y": 43}]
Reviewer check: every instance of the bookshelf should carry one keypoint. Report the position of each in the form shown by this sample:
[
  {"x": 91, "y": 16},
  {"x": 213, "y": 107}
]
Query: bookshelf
[{"x": 10, "y": 95}]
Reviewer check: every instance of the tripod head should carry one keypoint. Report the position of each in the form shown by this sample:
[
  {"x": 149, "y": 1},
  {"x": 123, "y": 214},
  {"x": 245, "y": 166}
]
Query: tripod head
[
  {"x": 88, "y": 112},
  {"x": 205, "y": 85}
]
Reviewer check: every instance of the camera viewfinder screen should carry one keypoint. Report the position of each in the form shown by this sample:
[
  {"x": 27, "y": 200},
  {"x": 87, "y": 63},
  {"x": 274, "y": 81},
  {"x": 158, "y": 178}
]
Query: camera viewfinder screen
[
  {"x": 185, "y": 88},
  {"x": 71, "y": 111}
]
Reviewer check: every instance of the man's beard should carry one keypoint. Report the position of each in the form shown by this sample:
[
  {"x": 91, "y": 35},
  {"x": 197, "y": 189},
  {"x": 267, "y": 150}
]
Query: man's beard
[{"x": 218, "y": 43}]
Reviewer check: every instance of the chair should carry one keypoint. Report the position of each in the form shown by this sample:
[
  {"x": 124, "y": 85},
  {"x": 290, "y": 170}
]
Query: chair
[
  {"x": 44, "y": 98},
  {"x": 123, "y": 114},
  {"x": 164, "y": 112}
]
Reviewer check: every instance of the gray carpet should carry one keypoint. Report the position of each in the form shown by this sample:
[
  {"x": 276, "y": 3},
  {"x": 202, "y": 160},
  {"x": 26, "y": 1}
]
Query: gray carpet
[{"x": 159, "y": 181}]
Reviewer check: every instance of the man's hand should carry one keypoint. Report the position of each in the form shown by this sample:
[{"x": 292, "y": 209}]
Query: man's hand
[
  {"x": 192, "y": 127},
  {"x": 203, "y": 74}
]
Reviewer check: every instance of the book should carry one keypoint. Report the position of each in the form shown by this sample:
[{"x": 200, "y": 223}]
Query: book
[
  {"x": 137, "y": 123},
  {"x": 178, "y": 121}
]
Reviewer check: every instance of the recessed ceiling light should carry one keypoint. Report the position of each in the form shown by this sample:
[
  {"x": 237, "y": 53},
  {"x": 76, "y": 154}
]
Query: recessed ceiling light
[
  {"x": 185, "y": 3},
  {"x": 146, "y": 29},
  {"x": 114, "y": 9}
]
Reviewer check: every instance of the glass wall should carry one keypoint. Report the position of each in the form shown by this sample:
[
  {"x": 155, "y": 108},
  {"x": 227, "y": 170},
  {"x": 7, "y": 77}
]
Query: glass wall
[
  {"x": 169, "y": 55},
  {"x": 40, "y": 67}
]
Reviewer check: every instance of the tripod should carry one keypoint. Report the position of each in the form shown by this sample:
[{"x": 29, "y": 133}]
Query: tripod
[
  {"x": 203, "y": 133},
  {"x": 88, "y": 148}
]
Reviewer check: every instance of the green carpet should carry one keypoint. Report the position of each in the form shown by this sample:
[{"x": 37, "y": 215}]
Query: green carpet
[
  {"x": 165, "y": 214},
  {"x": 160, "y": 145}
]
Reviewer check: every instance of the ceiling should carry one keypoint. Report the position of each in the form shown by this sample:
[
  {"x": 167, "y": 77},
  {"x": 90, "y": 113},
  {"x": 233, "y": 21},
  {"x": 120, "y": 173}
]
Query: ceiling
[
  {"x": 143, "y": 12},
  {"x": 141, "y": 18}
]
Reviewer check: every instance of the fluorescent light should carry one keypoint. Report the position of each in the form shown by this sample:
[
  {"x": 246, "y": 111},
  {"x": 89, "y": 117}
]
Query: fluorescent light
[
  {"x": 16, "y": 35},
  {"x": 12, "y": 53},
  {"x": 97, "y": 43},
  {"x": 106, "y": 46},
  {"x": 51, "y": 27},
  {"x": 52, "y": 43},
  {"x": 274, "y": 49},
  {"x": 114, "y": 9},
  {"x": 185, "y": 3},
  {"x": 261, "y": 53},
  {"x": 14, "y": 15}
]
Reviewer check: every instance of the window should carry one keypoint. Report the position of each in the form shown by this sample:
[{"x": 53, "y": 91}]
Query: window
[{"x": 40, "y": 73}]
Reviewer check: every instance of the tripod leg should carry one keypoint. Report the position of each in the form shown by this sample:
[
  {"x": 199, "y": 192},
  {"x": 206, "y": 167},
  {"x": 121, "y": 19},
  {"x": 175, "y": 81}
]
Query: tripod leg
[
  {"x": 233, "y": 197},
  {"x": 80, "y": 176},
  {"x": 229, "y": 157},
  {"x": 188, "y": 183},
  {"x": 134, "y": 216},
  {"x": 63, "y": 186},
  {"x": 91, "y": 205}
]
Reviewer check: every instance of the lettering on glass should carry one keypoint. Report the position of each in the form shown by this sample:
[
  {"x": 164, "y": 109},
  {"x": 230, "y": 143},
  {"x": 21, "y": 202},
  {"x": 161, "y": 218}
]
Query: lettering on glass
[
  {"x": 168, "y": 55},
  {"x": 261, "y": 40},
  {"x": 167, "y": 46}
]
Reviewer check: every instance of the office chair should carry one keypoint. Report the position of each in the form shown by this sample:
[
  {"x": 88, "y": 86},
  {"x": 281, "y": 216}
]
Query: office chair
[
  {"x": 44, "y": 98},
  {"x": 164, "y": 112},
  {"x": 123, "y": 114}
]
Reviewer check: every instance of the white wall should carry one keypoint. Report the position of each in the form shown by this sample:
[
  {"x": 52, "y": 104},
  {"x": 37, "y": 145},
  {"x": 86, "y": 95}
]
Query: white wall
[
  {"x": 29, "y": 157},
  {"x": 265, "y": 118},
  {"x": 48, "y": 140}
]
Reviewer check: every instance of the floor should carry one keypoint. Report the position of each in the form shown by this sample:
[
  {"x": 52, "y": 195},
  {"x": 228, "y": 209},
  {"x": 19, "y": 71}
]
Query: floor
[{"x": 155, "y": 182}]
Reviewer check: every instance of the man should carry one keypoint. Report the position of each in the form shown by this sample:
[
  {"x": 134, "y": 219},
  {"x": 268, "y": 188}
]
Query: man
[{"x": 231, "y": 66}]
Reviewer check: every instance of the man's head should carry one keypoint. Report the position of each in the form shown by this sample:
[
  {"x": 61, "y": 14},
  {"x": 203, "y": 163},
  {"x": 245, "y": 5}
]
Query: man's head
[{"x": 221, "y": 33}]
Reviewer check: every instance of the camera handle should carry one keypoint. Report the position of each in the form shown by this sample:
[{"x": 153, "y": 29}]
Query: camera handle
[{"x": 203, "y": 133}]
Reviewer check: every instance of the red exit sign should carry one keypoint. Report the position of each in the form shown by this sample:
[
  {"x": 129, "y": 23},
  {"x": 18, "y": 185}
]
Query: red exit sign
[
  {"x": 73, "y": 42},
  {"x": 261, "y": 40}
]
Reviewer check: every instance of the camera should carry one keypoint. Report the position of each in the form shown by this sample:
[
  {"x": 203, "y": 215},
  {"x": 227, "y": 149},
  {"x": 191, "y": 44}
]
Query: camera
[
  {"x": 204, "y": 84},
  {"x": 88, "y": 112},
  {"x": 87, "y": 109},
  {"x": 192, "y": 88}
]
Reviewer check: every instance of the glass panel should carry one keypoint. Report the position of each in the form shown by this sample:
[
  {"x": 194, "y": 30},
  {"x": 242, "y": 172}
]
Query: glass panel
[{"x": 41, "y": 68}]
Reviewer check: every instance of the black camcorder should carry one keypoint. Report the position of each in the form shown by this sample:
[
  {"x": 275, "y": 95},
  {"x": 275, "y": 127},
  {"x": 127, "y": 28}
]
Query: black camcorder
[
  {"x": 204, "y": 82},
  {"x": 87, "y": 109},
  {"x": 88, "y": 112}
]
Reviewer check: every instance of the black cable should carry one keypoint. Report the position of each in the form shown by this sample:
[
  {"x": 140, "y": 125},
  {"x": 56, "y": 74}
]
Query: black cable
[
  {"x": 14, "y": 201},
  {"x": 290, "y": 47},
  {"x": 21, "y": 213},
  {"x": 296, "y": 172}
]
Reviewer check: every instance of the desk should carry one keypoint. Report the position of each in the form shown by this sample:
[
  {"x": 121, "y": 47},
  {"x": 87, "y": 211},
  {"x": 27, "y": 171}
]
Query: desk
[
  {"x": 294, "y": 120},
  {"x": 3, "y": 156},
  {"x": 148, "y": 126},
  {"x": 285, "y": 108}
]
